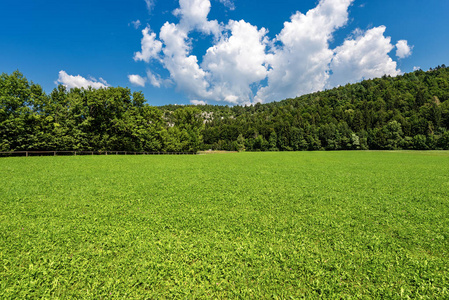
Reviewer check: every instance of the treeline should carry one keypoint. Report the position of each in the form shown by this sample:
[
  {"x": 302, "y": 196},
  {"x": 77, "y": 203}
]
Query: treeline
[
  {"x": 88, "y": 119},
  {"x": 403, "y": 112}
]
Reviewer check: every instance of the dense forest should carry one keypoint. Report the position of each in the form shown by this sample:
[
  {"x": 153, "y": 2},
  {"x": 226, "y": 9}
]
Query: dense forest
[{"x": 404, "y": 112}]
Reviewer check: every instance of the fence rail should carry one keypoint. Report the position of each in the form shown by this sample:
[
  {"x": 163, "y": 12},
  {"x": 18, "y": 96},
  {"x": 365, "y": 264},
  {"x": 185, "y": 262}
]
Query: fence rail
[{"x": 75, "y": 153}]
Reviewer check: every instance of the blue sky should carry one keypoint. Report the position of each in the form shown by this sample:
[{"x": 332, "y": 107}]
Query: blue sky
[{"x": 220, "y": 51}]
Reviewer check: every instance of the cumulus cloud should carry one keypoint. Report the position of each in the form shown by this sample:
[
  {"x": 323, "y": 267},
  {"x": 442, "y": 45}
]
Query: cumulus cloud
[
  {"x": 78, "y": 81},
  {"x": 156, "y": 80},
  {"x": 243, "y": 65},
  {"x": 193, "y": 14},
  {"x": 363, "y": 57},
  {"x": 198, "y": 102},
  {"x": 300, "y": 64},
  {"x": 403, "y": 50},
  {"x": 151, "y": 47},
  {"x": 236, "y": 63},
  {"x": 137, "y": 80},
  {"x": 183, "y": 67}
]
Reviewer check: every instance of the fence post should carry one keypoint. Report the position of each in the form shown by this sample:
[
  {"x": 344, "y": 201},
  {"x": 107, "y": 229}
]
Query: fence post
[{"x": 54, "y": 153}]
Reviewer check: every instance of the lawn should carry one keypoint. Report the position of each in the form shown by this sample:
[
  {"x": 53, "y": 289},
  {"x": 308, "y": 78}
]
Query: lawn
[{"x": 281, "y": 225}]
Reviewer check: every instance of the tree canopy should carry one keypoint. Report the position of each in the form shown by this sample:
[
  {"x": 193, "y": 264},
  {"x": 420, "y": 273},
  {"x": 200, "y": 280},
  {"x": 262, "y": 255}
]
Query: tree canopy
[{"x": 404, "y": 112}]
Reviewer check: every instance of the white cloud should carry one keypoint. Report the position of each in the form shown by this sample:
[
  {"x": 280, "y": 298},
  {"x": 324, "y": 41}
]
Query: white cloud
[
  {"x": 300, "y": 64},
  {"x": 237, "y": 62},
  {"x": 150, "y": 4},
  {"x": 137, "y": 80},
  {"x": 198, "y": 102},
  {"x": 193, "y": 14},
  {"x": 78, "y": 81},
  {"x": 101, "y": 80},
  {"x": 403, "y": 49},
  {"x": 151, "y": 47},
  {"x": 154, "y": 79},
  {"x": 365, "y": 56},
  {"x": 183, "y": 67},
  {"x": 415, "y": 68},
  {"x": 244, "y": 66},
  {"x": 228, "y": 3},
  {"x": 136, "y": 24}
]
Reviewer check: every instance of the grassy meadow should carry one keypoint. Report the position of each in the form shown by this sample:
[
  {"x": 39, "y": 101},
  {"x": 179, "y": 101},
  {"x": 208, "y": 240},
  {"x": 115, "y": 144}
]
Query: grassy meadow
[{"x": 283, "y": 225}]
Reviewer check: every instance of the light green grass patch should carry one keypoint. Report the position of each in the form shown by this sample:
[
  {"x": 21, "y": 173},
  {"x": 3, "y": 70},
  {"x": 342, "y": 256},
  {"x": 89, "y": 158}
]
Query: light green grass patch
[{"x": 241, "y": 225}]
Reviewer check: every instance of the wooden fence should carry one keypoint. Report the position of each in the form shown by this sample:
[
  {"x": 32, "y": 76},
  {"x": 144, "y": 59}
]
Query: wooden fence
[{"x": 75, "y": 153}]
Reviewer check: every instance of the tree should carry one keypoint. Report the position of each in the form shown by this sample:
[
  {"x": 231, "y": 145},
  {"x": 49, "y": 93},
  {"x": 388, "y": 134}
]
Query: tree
[
  {"x": 272, "y": 142},
  {"x": 240, "y": 143},
  {"x": 393, "y": 134},
  {"x": 419, "y": 142},
  {"x": 15, "y": 112}
]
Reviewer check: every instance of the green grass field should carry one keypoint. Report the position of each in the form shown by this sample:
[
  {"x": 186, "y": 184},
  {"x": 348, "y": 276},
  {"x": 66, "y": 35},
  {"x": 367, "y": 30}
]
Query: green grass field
[{"x": 244, "y": 225}]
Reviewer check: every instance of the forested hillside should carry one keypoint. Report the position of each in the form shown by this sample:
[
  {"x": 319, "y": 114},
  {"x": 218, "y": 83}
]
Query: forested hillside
[{"x": 403, "y": 112}]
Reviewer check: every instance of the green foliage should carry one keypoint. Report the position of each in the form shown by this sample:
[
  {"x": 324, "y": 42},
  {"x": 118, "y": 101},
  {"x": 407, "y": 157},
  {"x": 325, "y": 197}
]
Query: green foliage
[
  {"x": 334, "y": 225},
  {"x": 240, "y": 143},
  {"x": 383, "y": 113},
  {"x": 87, "y": 119},
  {"x": 404, "y": 112}
]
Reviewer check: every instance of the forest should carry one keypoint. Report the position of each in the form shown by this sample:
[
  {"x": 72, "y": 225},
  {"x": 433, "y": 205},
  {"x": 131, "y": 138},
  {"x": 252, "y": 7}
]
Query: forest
[{"x": 410, "y": 111}]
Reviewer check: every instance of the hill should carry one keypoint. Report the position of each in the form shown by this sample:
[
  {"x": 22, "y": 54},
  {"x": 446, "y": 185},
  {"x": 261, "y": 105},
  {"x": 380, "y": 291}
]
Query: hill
[{"x": 404, "y": 112}]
